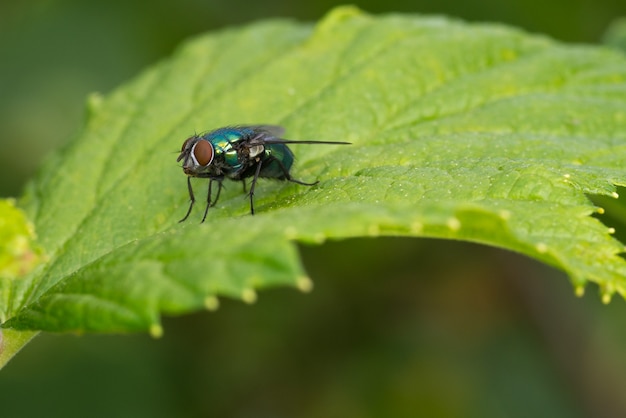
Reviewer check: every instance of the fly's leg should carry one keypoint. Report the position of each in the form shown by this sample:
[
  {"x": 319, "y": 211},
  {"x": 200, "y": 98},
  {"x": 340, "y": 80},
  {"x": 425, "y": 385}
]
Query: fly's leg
[
  {"x": 291, "y": 179},
  {"x": 288, "y": 176},
  {"x": 191, "y": 198},
  {"x": 256, "y": 177},
  {"x": 208, "y": 200},
  {"x": 219, "y": 190},
  {"x": 208, "y": 197}
]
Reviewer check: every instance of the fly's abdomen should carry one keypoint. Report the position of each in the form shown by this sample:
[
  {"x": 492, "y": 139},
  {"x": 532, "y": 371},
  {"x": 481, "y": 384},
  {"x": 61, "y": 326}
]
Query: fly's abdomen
[{"x": 275, "y": 156}]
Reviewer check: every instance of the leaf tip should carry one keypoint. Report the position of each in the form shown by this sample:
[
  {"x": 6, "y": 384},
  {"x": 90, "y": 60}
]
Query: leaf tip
[
  {"x": 541, "y": 247},
  {"x": 211, "y": 303},
  {"x": 156, "y": 331},
  {"x": 607, "y": 293},
  {"x": 417, "y": 227},
  {"x": 94, "y": 102},
  {"x": 249, "y": 296},
  {"x": 615, "y": 195},
  {"x": 579, "y": 291},
  {"x": 373, "y": 230},
  {"x": 454, "y": 224},
  {"x": 291, "y": 232},
  {"x": 319, "y": 238},
  {"x": 339, "y": 15},
  {"x": 304, "y": 284}
]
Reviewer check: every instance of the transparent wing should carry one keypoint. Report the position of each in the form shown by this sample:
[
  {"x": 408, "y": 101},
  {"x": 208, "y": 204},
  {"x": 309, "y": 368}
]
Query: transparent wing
[
  {"x": 274, "y": 131},
  {"x": 273, "y": 135}
]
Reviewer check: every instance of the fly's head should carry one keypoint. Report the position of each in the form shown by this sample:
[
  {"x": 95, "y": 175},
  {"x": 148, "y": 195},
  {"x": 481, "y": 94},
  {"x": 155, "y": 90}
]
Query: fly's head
[{"x": 197, "y": 155}]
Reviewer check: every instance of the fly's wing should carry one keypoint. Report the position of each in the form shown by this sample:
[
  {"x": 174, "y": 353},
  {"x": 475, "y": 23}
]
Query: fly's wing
[
  {"x": 291, "y": 141},
  {"x": 273, "y": 131},
  {"x": 271, "y": 134}
]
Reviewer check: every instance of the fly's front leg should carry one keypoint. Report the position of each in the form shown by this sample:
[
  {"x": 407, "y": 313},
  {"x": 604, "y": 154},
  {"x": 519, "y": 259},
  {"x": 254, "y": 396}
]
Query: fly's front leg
[
  {"x": 209, "y": 194},
  {"x": 219, "y": 190},
  {"x": 191, "y": 198},
  {"x": 208, "y": 200}
]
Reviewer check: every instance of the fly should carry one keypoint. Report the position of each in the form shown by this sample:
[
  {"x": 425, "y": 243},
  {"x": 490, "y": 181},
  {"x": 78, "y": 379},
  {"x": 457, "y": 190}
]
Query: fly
[{"x": 238, "y": 153}]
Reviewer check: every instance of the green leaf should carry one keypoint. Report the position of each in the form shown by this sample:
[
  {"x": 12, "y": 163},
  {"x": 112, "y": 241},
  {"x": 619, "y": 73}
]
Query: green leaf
[{"x": 474, "y": 132}]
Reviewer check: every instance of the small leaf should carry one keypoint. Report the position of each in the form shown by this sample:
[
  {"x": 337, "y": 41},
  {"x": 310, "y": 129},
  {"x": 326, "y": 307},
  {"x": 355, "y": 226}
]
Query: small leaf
[
  {"x": 12, "y": 341},
  {"x": 18, "y": 252},
  {"x": 474, "y": 132}
]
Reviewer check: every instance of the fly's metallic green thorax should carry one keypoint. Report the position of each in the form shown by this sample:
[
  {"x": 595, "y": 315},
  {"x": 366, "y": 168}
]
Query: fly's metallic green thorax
[{"x": 237, "y": 153}]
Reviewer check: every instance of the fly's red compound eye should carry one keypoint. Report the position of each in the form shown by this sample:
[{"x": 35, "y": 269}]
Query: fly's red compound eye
[{"x": 203, "y": 152}]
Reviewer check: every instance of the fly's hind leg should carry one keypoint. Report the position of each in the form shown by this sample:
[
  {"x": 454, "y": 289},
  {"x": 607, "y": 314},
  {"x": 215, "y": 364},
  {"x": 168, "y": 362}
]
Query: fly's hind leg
[{"x": 288, "y": 176}]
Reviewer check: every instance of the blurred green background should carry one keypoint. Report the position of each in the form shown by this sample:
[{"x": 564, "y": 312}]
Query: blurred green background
[{"x": 394, "y": 328}]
